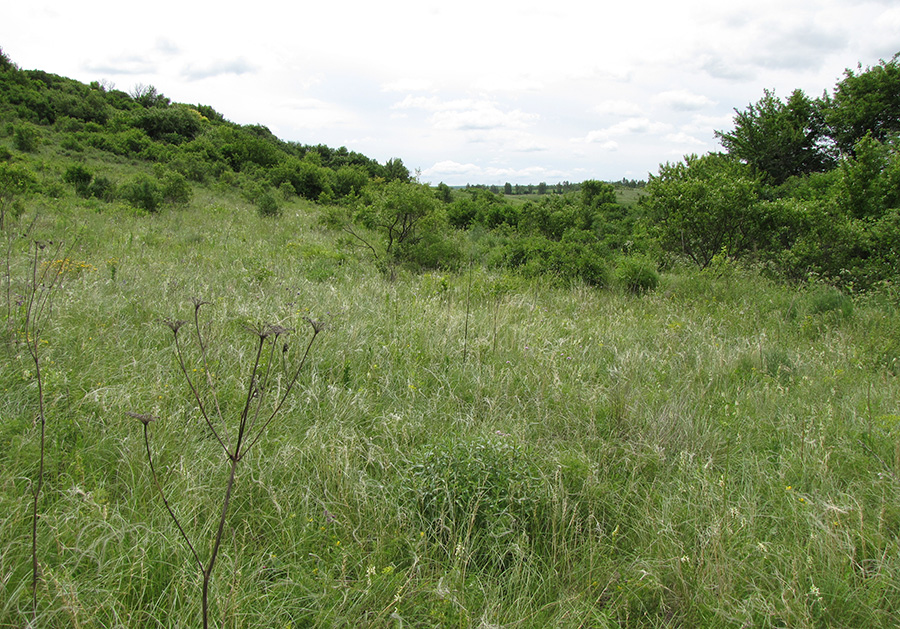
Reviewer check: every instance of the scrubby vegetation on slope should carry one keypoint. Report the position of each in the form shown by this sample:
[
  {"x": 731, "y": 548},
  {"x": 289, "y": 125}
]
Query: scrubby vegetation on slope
[{"x": 523, "y": 422}]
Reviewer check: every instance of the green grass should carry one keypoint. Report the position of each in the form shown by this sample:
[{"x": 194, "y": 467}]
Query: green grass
[{"x": 721, "y": 451}]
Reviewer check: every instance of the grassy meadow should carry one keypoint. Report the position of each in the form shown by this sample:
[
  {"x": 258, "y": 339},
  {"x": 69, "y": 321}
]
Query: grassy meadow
[{"x": 461, "y": 450}]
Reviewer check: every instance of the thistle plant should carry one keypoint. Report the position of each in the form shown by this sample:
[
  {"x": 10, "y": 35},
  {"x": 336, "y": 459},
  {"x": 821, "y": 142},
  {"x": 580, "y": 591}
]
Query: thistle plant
[{"x": 268, "y": 385}]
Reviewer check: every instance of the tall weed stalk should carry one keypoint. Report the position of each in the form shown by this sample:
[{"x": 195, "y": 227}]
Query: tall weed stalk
[
  {"x": 261, "y": 404},
  {"x": 45, "y": 277}
]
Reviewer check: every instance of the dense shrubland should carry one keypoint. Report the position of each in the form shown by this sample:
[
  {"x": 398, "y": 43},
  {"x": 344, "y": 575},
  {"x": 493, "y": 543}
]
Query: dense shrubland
[
  {"x": 563, "y": 410},
  {"x": 806, "y": 187}
]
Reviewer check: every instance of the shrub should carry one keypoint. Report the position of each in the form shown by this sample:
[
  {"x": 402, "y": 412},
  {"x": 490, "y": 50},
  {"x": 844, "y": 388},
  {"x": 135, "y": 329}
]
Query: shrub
[
  {"x": 26, "y": 138},
  {"x": 637, "y": 274},
  {"x": 80, "y": 177},
  {"x": 104, "y": 189},
  {"x": 71, "y": 143},
  {"x": 175, "y": 188},
  {"x": 15, "y": 182},
  {"x": 267, "y": 205},
  {"x": 579, "y": 257},
  {"x": 350, "y": 180},
  {"x": 142, "y": 192},
  {"x": 175, "y": 124}
]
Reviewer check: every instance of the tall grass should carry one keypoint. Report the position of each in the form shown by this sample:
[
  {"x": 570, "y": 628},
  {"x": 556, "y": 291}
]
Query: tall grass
[{"x": 468, "y": 450}]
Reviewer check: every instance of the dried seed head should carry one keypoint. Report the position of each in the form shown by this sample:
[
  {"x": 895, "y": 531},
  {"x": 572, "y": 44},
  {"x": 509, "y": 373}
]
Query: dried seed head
[
  {"x": 198, "y": 302},
  {"x": 259, "y": 330},
  {"x": 143, "y": 417},
  {"x": 174, "y": 324},
  {"x": 277, "y": 330},
  {"x": 317, "y": 326}
]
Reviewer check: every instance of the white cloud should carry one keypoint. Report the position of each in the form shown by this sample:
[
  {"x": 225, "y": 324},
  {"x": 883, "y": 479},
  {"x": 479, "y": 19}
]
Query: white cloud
[
  {"x": 482, "y": 116},
  {"x": 617, "y": 108},
  {"x": 683, "y": 138},
  {"x": 631, "y": 126},
  {"x": 682, "y": 100},
  {"x": 408, "y": 85},
  {"x": 449, "y": 167},
  {"x": 195, "y": 72}
]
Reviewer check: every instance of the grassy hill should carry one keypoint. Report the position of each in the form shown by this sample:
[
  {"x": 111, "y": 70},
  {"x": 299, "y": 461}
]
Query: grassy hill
[{"x": 469, "y": 446}]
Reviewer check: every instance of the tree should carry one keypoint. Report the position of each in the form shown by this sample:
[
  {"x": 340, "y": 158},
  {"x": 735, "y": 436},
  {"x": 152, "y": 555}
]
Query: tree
[
  {"x": 596, "y": 193},
  {"x": 148, "y": 96},
  {"x": 870, "y": 180},
  {"x": 444, "y": 193},
  {"x": 401, "y": 222},
  {"x": 780, "y": 139},
  {"x": 704, "y": 205},
  {"x": 865, "y": 102},
  {"x": 394, "y": 170}
]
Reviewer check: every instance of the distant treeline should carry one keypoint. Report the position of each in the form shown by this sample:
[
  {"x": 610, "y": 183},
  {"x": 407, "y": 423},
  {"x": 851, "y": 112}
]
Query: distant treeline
[{"x": 545, "y": 188}]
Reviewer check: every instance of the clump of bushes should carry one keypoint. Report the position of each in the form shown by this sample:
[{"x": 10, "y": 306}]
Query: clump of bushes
[
  {"x": 26, "y": 138},
  {"x": 142, "y": 192},
  {"x": 267, "y": 205},
  {"x": 637, "y": 274}
]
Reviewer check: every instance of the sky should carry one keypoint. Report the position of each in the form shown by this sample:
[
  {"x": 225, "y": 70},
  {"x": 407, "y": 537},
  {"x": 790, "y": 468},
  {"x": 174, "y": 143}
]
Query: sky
[{"x": 470, "y": 91}]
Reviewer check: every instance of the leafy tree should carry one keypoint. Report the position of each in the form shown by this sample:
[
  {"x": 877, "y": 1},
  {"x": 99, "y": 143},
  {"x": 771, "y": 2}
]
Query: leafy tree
[
  {"x": 394, "y": 170},
  {"x": 444, "y": 193},
  {"x": 596, "y": 193},
  {"x": 406, "y": 218},
  {"x": 865, "y": 101},
  {"x": 148, "y": 96},
  {"x": 779, "y": 139},
  {"x": 704, "y": 205},
  {"x": 870, "y": 179},
  {"x": 5, "y": 62}
]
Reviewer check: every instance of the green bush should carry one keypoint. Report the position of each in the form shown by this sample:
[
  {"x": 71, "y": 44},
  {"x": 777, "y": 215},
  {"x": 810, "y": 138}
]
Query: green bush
[
  {"x": 578, "y": 257},
  {"x": 267, "y": 205},
  {"x": 26, "y": 138},
  {"x": 142, "y": 192},
  {"x": 174, "y": 124},
  {"x": 637, "y": 274},
  {"x": 80, "y": 177},
  {"x": 103, "y": 188},
  {"x": 175, "y": 188}
]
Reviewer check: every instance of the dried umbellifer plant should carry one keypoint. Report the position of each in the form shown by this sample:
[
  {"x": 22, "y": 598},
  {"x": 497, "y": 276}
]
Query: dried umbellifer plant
[
  {"x": 261, "y": 405},
  {"x": 45, "y": 277}
]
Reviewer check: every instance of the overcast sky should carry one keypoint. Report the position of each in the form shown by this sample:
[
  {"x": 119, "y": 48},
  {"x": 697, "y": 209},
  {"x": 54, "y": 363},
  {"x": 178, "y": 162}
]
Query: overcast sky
[{"x": 469, "y": 91}]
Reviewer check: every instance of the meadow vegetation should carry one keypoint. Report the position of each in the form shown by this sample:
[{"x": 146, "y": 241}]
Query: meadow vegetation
[{"x": 520, "y": 413}]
